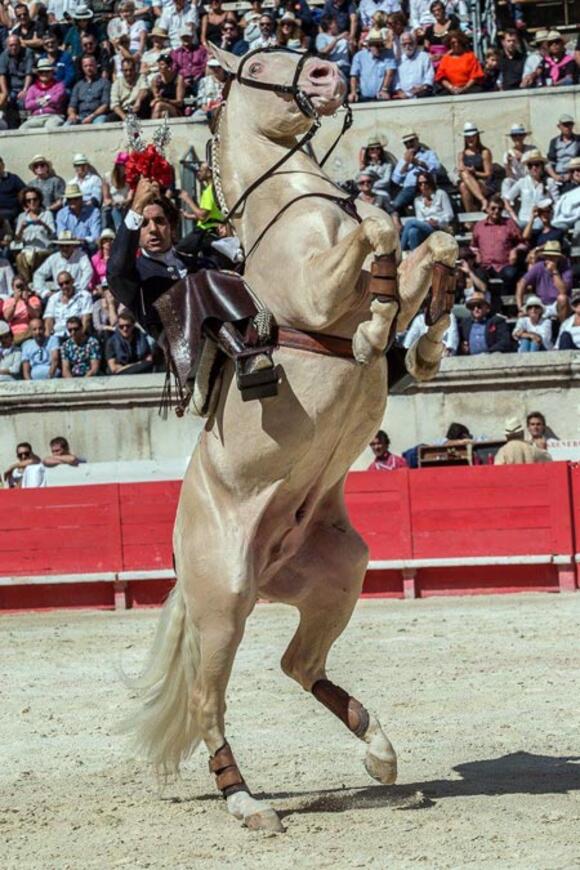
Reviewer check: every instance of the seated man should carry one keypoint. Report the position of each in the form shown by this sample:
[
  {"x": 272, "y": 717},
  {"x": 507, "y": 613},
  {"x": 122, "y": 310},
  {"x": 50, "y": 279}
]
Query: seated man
[
  {"x": 496, "y": 241},
  {"x": 415, "y": 74},
  {"x": 82, "y": 219},
  {"x": 550, "y": 279},
  {"x": 80, "y": 354},
  {"x": 89, "y": 102},
  {"x": 384, "y": 460},
  {"x": 538, "y": 430},
  {"x": 483, "y": 332},
  {"x": 65, "y": 304},
  {"x": 60, "y": 454},
  {"x": 39, "y": 354},
  {"x": 68, "y": 258},
  {"x": 16, "y": 64},
  {"x": 128, "y": 351},
  {"x": 372, "y": 71},
  {"x": 10, "y": 355},
  {"x": 417, "y": 158},
  {"x": 517, "y": 451},
  {"x": 130, "y": 91}
]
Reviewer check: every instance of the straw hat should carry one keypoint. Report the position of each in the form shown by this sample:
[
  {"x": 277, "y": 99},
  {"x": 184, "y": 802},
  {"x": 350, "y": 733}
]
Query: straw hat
[
  {"x": 518, "y": 130},
  {"x": 513, "y": 427},
  {"x": 107, "y": 234},
  {"x": 534, "y": 156},
  {"x": 288, "y": 16},
  {"x": 534, "y": 302},
  {"x": 541, "y": 36},
  {"x": 553, "y": 35},
  {"x": 375, "y": 36},
  {"x": 80, "y": 159},
  {"x": 38, "y": 158},
  {"x": 159, "y": 31},
  {"x": 552, "y": 248},
  {"x": 72, "y": 191},
  {"x": 375, "y": 142},
  {"x": 44, "y": 65},
  {"x": 471, "y": 129},
  {"x": 574, "y": 163},
  {"x": 566, "y": 119},
  {"x": 65, "y": 237},
  {"x": 410, "y": 134},
  {"x": 81, "y": 11}
]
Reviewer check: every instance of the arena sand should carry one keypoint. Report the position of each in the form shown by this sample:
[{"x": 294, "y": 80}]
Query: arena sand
[{"x": 480, "y": 697}]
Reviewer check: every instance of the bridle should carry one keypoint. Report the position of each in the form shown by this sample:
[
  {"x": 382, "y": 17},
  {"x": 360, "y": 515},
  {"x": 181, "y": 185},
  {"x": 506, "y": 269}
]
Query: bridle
[{"x": 307, "y": 108}]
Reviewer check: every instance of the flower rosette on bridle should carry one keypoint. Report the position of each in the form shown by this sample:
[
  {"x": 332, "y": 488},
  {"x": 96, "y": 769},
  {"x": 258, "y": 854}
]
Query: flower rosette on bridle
[{"x": 147, "y": 161}]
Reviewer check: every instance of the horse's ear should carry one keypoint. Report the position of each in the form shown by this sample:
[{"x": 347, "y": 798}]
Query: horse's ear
[{"x": 227, "y": 60}]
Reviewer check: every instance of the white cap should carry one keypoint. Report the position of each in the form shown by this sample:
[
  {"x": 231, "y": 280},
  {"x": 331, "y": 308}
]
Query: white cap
[{"x": 79, "y": 159}]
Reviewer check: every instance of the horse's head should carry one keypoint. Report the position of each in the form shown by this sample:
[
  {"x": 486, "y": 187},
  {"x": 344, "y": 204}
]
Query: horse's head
[{"x": 278, "y": 114}]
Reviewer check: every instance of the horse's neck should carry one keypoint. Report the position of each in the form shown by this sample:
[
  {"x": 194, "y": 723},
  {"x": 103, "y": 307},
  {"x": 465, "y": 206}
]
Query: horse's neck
[{"x": 241, "y": 166}]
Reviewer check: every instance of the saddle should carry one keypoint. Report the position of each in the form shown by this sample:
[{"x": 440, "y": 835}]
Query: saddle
[{"x": 207, "y": 317}]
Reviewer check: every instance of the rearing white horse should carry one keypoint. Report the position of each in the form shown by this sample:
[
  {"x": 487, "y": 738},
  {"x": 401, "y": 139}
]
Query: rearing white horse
[{"x": 261, "y": 512}]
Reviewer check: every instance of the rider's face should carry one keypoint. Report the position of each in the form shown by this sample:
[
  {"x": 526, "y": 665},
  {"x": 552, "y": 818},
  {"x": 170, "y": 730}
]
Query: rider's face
[{"x": 155, "y": 235}]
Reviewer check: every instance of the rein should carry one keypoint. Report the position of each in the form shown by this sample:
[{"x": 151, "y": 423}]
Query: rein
[{"x": 307, "y": 108}]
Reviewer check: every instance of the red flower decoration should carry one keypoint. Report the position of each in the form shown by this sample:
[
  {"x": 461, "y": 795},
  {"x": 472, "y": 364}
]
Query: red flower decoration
[{"x": 148, "y": 163}]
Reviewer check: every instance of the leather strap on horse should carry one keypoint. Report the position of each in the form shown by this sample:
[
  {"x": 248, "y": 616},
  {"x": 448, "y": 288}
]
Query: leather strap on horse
[
  {"x": 344, "y": 706},
  {"x": 384, "y": 284},
  {"x": 223, "y": 765},
  {"x": 442, "y": 294},
  {"x": 315, "y": 342}
]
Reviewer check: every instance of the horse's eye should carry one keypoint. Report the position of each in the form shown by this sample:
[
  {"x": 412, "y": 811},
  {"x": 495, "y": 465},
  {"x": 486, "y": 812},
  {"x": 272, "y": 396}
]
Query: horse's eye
[{"x": 255, "y": 68}]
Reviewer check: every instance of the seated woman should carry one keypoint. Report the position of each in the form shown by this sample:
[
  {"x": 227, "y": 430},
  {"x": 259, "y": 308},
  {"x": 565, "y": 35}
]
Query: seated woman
[
  {"x": 211, "y": 23},
  {"x": 35, "y": 230},
  {"x": 513, "y": 157},
  {"x": 435, "y": 33},
  {"x": 533, "y": 331},
  {"x": 433, "y": 211},
  {"x": 20, "y": 308},
  {"x": 475, "y": 167},
  {"x": 168, "y": 90},
  {"x": 365, "y": 181},
  {"x": 569, "y": 335},
  {"x": 373, "y": 156},
  {"x": 459, "y": 71},
  {"x": 116, "y": 192},
  {"x": 100, "y": 262},
  {"x": 332, "y": 45},
  {"x": 289, "y": 33}
]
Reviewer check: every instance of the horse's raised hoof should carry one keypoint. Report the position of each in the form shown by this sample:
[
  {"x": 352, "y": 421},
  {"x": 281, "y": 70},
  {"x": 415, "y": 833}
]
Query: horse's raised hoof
[
  {"x": 384, "y": 770},
  {"x": 265, "y": 820}
]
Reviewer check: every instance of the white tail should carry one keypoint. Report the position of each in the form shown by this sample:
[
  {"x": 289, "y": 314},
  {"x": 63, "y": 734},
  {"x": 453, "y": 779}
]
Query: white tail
[{"x": 166, "y": 728}]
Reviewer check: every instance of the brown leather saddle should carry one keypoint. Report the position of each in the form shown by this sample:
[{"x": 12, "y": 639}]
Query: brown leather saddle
[{"x": 216, "y": 306}]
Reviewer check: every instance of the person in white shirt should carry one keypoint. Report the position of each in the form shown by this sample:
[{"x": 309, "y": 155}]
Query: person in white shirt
[
  {"x": 133, "y": 27},
  {"x": 267, "y": 37},
  {"x": 533, "y": 331},
  {"x": 70, "y": 258},
  {"x": 512, "y": 160},
  {"x": 534, "y": 187},
  {"x": 65, "y": 304},
  {"x": 33, "y": 476},
  {"x": 569, "y": 335},
  {"x": 176, "y": 16},
  {"x": 420, "y": 16},
  {"x": 333, "y": 45},
  {"x": 433, "y": 211},
  {"x": 567, "y": 212},
  {"x": 89, "y": 181},
  {"x": 368, "y": 8},
  {"x": 419, "y": 327},
  {"x": 415, "y": 74}
]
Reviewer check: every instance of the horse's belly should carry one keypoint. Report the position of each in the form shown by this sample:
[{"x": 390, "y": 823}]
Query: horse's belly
[{"x": 325, "y": 412}]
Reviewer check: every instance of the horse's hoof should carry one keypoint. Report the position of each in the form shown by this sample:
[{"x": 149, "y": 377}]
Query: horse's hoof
[
  {"x": 265, "y": 820},
  {"x": 384, "y": 770}
]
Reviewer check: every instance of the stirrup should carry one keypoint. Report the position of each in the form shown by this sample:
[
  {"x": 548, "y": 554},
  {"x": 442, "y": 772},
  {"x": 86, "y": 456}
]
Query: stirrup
[{"x": 258, "y": 384}]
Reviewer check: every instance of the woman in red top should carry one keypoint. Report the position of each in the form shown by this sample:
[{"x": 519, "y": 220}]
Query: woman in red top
[
  {"x": 20, "y": 308},
  {"x": 459, "y": 71}
]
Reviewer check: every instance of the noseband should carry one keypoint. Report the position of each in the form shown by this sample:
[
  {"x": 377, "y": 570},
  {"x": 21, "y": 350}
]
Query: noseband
[{"x": 303, "y": 102}]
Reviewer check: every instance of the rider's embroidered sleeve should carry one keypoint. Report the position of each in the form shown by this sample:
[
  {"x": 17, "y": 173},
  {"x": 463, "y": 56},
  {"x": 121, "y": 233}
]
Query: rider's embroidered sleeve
[{"x": 133, "y": 220}]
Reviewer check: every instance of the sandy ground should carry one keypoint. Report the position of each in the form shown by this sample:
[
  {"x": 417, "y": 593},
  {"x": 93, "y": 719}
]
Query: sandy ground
[{"x": 479, "y": 696}]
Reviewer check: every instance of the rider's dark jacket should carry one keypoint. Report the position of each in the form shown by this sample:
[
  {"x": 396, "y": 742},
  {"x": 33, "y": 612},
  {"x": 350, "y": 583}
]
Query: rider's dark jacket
[{"x": 137, "y": 279}]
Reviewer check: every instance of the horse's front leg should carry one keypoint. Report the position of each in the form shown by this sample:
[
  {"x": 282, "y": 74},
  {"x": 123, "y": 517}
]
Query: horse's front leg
[
  {"x": 331, "y": 277},
  {"x": 431, "y": 266}
]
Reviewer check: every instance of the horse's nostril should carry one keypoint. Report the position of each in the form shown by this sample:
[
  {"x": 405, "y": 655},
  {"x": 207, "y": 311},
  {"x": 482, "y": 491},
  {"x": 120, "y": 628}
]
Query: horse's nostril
[{"x": 319, "y": 72}]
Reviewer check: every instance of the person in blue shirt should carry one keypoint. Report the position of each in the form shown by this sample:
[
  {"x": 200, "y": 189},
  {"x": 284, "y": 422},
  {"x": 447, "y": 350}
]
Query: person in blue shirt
[
  {"x": 82, "y": 219},
  {"x": 416, "y": 158},
  {"x": 40, "y": 354},
  {"x": 372, "y": 71},
  {"x": 64, "y": 68}
]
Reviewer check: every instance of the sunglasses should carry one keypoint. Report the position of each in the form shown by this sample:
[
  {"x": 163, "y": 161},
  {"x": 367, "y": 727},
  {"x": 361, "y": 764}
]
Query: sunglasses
[
  {"x": 24, "y": 454},
  {"x": 532, "y": 165},
  {"x": 479, "y": 305},
  {"x": 30, "y": 199},
  {"x": 72, "y": 329},
  {"x": 64, "y": 283},
  {"x": 125, "y": 326}
]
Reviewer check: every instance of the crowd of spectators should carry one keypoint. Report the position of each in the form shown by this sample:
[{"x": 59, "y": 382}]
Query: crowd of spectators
[
  {"x": 60, "y": 63},
  {"x": 29, "y": 470},
  {"x": 518, "y": 224}
]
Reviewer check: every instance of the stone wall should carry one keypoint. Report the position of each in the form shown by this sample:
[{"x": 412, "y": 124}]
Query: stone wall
[
  {"x": 116, "y": 419},
  {"x": 439, "y": 121}
]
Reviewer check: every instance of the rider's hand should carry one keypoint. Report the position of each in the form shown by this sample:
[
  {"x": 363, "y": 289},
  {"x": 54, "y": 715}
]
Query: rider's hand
[{"x": 145, "y": 192}]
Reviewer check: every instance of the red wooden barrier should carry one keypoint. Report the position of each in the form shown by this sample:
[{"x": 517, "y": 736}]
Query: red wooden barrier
[
  {"x": 575, "y": 493},
  {"x": 430, "y": 532}
]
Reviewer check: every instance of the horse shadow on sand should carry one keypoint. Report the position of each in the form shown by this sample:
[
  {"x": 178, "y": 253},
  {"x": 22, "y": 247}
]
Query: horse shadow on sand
[{"x": 517, "y": 773}]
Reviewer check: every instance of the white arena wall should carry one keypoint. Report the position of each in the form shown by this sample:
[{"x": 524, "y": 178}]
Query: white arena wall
[
  {"x": 117, "y": 419},
  {"x": 439, "y": 122}
]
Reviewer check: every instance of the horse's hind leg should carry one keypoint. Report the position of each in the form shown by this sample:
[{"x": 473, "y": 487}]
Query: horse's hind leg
[{"x": 324, "y": 583}]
